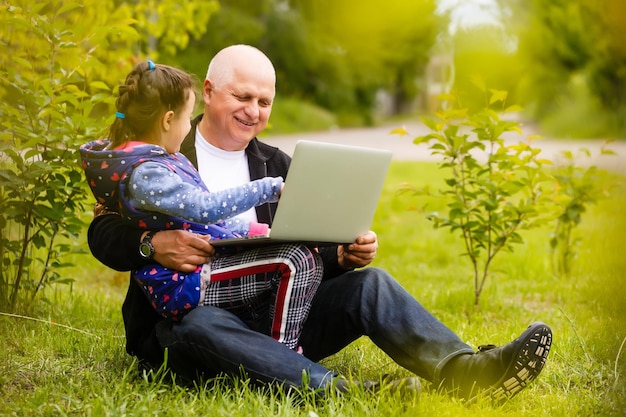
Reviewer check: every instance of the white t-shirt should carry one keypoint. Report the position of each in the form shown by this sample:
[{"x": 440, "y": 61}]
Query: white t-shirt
[{"x": 220, "y": 169}]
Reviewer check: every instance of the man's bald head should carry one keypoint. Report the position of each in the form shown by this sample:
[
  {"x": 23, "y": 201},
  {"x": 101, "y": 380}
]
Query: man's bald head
[{"x": 232, "y": 58}]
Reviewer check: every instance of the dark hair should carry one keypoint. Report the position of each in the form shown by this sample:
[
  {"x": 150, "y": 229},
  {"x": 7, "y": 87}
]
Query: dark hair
[{"x": 148, "y": 92}]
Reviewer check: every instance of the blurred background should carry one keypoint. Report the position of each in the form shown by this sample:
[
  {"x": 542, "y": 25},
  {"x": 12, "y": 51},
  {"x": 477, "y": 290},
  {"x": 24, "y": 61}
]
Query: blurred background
[
  {"x": 357, "y": 62},
  {"x": 346, "y": 63}
]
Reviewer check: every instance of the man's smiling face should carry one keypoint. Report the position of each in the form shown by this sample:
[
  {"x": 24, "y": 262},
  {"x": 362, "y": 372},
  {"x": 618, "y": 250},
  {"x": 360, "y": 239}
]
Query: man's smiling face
[{"x": 239, "y": 109}]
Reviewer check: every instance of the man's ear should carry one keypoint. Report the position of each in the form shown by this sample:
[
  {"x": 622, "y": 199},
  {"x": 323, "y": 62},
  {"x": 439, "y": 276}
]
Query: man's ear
[
  {"x": 207, "y": 89},
  {"x": 166, "y": 120}
]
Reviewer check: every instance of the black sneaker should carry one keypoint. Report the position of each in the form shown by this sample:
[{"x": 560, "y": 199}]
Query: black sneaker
[{"x": 500, "y": 372}]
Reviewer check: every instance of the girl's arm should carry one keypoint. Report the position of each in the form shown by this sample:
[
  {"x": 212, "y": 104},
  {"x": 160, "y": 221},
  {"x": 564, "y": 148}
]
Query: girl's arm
[{"x": 155, "y": 187}]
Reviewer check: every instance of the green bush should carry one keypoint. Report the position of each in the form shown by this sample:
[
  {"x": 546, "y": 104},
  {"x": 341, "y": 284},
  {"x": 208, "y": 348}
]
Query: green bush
[
  {"x": 58, "y": 69},
  {"x": 578, "y": 187},
  {"x": 47, "y": 107}
]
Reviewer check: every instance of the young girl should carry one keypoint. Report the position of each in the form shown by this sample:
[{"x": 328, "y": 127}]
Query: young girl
[{"x": 139, "y": 173}]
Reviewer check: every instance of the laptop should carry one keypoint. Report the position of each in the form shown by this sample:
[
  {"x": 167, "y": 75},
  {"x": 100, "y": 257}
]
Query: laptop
[{"x": 330, "y": 195}]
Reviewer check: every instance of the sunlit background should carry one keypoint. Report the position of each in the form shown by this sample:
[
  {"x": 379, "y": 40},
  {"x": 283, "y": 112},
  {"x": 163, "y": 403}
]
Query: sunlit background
[
  {"x": 359, "y": 62},
  {"x": 564, "y": 61}
]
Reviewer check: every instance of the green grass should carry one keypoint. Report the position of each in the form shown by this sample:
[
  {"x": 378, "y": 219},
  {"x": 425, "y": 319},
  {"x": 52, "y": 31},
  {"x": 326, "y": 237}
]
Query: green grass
[{"x": 83, "y": 370}]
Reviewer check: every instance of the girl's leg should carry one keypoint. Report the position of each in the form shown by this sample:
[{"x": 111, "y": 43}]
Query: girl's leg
[
  {"x": 171, "y": 293},
  {"x": 278, "y": 282}
]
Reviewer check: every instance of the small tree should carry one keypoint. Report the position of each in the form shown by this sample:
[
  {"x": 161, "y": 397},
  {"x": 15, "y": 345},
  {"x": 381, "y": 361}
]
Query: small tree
[
  {"x": 577, "y": 188},
  {"x": 494, "y": 189}
]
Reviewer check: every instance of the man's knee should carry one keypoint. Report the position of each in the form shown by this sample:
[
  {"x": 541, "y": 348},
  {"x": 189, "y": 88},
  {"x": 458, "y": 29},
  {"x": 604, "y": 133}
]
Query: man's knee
[
  {"x": 376, "y": 284},
  {"x": 375, "y": 277}
]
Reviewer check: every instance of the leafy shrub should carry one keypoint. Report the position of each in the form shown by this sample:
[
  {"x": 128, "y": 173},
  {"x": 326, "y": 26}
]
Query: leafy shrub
[
  {"x": 47, "y": 107},
  {"x": 59, "y": 64},
  {"x": 495, "y": 189},
  {"x": 577, "y": 187}
]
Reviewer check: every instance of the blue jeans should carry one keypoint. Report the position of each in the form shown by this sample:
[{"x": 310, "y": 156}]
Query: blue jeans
[{"x": 366, "y": 302}]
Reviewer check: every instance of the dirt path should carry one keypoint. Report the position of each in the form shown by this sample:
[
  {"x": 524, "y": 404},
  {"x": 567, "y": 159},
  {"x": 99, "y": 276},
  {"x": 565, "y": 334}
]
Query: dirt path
[{"x": 404, "y": 149}]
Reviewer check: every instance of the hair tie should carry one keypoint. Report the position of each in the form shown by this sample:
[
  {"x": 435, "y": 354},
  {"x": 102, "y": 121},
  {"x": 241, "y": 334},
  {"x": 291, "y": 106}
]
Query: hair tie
[
  {"x": 151, "y": 65},
  {"x": 120, "y": 115}
]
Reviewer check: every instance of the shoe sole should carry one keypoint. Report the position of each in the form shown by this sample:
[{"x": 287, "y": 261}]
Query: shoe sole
[{"x": 528, "y": 362}]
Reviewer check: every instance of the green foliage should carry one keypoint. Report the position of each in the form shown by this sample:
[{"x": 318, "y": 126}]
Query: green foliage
[
  {"x": 58, "y": 64},
  {"x": 46, "y": 111},
  {"x": 578, "y": 187},
  {"x": 488, "y": 52},
  {"x": 573, "y": 59},
  {"x": 169, "y": 25},
  {"x": 234, "y": 22},
  {"x": 327, "y": 54},
  {"x": 495, "y": 189},
  {"x": 357, "y": 54}
]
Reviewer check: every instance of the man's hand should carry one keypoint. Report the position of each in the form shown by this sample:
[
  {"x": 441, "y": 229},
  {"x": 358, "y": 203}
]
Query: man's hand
[
  {"x": 181, "y": 250},
  {"x": 360, "y": 253}
]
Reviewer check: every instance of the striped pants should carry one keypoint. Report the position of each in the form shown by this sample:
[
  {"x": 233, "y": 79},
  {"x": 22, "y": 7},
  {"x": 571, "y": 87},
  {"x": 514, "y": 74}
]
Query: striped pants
[{"x": 278, "y": 282}]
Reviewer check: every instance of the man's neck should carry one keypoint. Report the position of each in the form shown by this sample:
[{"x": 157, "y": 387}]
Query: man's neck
[{"x": 205, "y": 131}]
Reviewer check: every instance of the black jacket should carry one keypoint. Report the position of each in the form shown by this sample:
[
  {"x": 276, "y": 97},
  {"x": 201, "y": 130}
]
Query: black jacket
[{"x": 114, "y": 243}]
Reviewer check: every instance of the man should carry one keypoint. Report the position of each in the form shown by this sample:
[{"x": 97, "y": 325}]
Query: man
[{"x": 238, "y": 93}]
